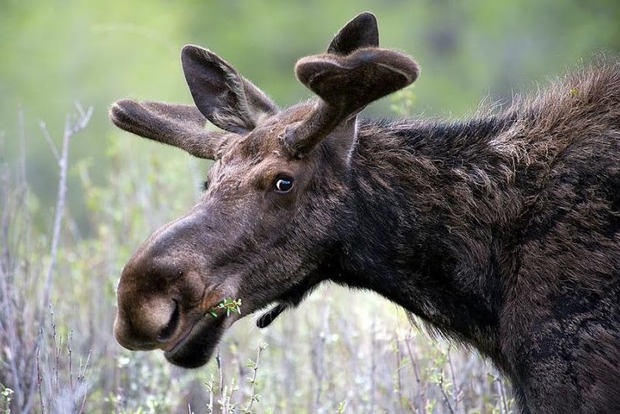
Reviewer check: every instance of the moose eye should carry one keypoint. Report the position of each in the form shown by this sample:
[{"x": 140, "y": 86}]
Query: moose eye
[{"x": 284, "y": 184}]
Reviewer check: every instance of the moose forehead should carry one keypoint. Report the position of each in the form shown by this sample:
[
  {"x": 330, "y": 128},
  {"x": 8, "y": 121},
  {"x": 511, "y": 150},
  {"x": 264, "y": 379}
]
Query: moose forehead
[
  {"x": 260, "y": 153},
  {"x": 265, "y": 141}
]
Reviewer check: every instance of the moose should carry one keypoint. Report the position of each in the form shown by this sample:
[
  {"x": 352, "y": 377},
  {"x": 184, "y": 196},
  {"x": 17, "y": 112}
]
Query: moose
[{"x": 501, "y": 232}]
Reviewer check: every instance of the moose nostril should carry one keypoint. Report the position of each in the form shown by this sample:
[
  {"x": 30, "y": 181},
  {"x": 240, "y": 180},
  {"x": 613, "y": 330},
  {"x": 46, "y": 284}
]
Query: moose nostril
[{"x": 168, "y": 330}]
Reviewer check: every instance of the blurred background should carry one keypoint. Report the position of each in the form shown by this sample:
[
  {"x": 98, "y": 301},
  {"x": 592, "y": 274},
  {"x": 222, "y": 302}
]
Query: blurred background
[{"x": 56, "y": 54}]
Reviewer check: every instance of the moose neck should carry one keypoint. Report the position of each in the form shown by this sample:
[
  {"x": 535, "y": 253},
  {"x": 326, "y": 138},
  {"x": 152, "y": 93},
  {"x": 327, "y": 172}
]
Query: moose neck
[{"x": 432, "y": 208}]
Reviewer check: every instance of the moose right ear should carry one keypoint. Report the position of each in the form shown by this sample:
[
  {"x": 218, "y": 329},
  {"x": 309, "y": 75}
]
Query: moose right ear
[
  {"x": 360, "y": 32},
  {"x": 224, "y": 97},
  {"x": 182, "y": 126}
]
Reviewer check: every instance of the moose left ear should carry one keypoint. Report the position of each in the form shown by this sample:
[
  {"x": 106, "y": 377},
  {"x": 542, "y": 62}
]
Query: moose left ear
[
  {"x": 346, "y": 84},
  {"x": 224, "y": 97}
]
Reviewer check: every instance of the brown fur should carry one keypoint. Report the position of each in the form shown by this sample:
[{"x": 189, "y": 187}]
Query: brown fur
[{"x": 501, "y": 232}]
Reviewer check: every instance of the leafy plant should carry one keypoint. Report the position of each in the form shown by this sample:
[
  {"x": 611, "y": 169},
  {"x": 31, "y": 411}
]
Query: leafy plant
[
  {"x": 5, "y": 402},
  {"x": 229, "y": 305}
]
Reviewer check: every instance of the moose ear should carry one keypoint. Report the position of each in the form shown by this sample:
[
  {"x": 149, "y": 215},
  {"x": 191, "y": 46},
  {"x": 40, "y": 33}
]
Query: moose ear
[
  {"x": 224, "y": 97},
  {"x": 346, "y": 84},
  {"x": 360, "y": 32},
  {"x": 182, "y": 126}
]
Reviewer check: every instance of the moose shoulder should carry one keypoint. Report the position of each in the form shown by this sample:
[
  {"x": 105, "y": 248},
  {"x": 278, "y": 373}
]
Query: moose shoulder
[{"x": 502, "y": 232}]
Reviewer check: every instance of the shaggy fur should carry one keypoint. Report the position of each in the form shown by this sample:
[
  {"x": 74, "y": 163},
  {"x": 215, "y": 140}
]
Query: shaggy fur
[
  {"x": 501, "y": 232},
  {"x": 504, "y": 233}
]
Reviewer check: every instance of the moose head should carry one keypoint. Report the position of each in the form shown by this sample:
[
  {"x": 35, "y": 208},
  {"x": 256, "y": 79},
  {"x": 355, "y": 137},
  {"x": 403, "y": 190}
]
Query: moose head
[{"x": 267, "y": 227}]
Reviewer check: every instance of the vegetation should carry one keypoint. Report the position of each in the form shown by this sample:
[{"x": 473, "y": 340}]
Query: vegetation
[
  {"x": 75, "y": 204},
  {"x": 230, "y": 305},
  {"x": 340, "y": 352}
]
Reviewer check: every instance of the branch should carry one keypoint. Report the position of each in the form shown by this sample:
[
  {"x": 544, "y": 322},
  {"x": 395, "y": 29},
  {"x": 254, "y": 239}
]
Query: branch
[{"x": 72, "y": 127}]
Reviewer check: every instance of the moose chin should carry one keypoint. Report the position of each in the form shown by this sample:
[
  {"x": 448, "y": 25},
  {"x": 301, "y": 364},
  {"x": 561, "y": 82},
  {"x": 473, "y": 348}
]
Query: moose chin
[{"x": 502, "y": 231}]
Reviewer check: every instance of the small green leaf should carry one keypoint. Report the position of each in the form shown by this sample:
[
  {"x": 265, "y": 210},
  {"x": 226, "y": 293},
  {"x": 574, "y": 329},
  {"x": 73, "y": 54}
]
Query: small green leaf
[{"x": 230, "y": 305}]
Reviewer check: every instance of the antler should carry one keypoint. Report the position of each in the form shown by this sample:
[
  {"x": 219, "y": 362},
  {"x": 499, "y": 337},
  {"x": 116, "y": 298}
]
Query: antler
[
  {"x": 345, "y": 84},
  {"x": 182, "y": 126},
  {"x": 361, "y": 31}
]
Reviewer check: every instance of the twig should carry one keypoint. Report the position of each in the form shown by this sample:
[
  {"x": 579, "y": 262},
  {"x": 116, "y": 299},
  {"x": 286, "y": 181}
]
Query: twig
[
  {"x": 373, "y": 364},
  {"x": 254, "y": 367},
  {"x": 318, "y": 359},
  {"x": 220, "y": 371},
  {"x": 502, "y": 393},
  {"x": 82, "y": 378},
  {"x": 10, "y": 333},
  {"x": 210, "y": 386},
  {"x": 421, "y": 389},
  {"x": 445, "y": 394},
  {"x": 455, "y": 391},
  {"x": 398, "y": 376},
  {"x": 40, "y": 379},
  {"x": 71, "y": 128},
  {"x": 18, "y": 365},
  {"x": 48, "y": 139}
]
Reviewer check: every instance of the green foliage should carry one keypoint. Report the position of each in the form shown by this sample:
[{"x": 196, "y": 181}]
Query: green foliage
[
  {"x": 229, "y": 305},
  {"x": 98, "y": 52},
  {"x": 6, "y": 395},
  {"x": 403, "y": 102}
]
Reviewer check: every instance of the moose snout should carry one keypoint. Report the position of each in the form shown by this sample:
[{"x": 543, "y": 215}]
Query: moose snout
[
  {"x": 158, "y": 287},
  {"x": 147, "y": 325}
]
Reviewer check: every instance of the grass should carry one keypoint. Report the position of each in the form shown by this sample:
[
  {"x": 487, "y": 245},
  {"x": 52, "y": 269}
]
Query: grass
[{"x": 341, "y": 351}]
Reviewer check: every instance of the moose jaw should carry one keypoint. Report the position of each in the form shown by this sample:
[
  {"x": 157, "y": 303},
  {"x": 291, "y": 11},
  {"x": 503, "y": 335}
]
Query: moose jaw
[{"x": 501, "y": 232}]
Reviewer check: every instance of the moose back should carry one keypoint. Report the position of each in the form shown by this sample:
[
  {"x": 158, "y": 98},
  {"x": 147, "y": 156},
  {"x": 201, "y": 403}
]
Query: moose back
[{"x": 501, "y": 232}]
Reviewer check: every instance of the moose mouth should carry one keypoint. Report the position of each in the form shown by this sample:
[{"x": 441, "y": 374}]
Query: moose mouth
[{"x": 194, "y": 345}]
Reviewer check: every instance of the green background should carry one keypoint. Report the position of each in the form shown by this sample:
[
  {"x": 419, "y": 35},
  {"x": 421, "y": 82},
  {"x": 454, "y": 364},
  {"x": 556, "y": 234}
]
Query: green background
[{"x": 56, "y": 53}]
